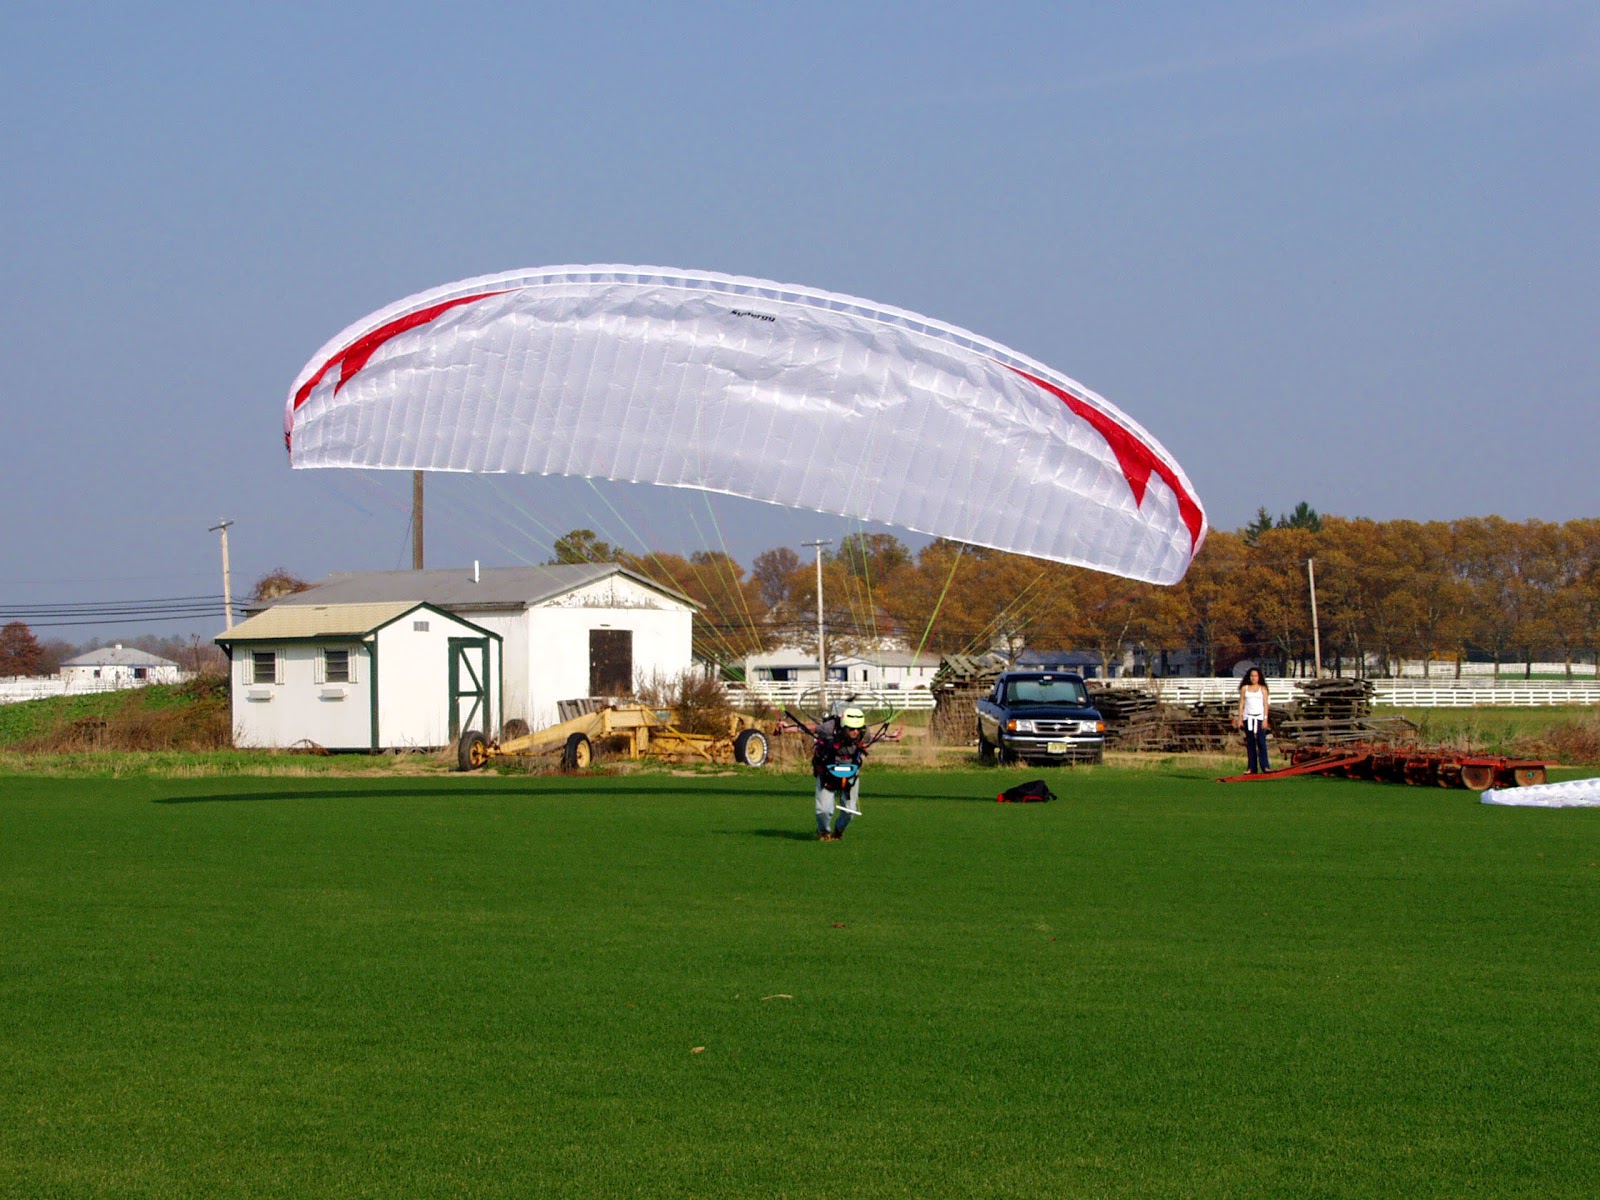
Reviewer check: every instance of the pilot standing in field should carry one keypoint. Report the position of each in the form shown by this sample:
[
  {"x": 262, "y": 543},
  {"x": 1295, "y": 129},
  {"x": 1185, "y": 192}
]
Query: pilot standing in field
[{"x": 840, "y": 740}]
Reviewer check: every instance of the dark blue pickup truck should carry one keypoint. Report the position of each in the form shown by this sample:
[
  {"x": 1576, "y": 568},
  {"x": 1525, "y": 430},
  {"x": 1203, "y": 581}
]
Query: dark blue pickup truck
[{"x": 1039, "y": 716}]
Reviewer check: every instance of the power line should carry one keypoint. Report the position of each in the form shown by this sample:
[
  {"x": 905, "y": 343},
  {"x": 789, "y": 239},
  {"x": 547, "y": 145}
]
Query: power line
[{"x": 101, "y": 612}]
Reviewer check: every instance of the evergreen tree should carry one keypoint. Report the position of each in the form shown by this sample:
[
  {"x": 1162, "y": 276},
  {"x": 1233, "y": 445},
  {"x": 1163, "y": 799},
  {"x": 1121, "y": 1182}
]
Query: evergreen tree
[
  {"x": 1303, "y": 517},
  {"x": 1253, "y": 531}
]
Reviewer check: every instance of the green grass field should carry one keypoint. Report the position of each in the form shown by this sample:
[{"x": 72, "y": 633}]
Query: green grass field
[{"x": 660, "y": 985}]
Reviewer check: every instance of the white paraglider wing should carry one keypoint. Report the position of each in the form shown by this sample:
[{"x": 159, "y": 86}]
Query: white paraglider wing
[{"x": 778, "y": 393}]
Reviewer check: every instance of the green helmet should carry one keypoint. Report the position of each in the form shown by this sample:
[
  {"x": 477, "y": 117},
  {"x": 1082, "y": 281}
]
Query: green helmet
[{"x": 853, "y": 718}]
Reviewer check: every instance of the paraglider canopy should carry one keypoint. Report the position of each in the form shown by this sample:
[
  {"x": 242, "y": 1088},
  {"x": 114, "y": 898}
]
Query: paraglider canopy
[{"x": 785, "y": 394}]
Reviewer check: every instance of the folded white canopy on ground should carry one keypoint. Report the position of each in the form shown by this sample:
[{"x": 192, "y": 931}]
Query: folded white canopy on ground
[
  {"x": 786, "y": 394},
  {"x": 1575, "y": 793}
]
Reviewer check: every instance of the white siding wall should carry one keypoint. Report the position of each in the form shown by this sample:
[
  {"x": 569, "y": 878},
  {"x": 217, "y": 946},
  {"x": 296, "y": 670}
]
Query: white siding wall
[
  {"x": 336, "y": 716},
  {"x": 413, "y": 691},
  {"x": 513, "y": 630},
  {"x": 557, "y": 662},
  {"x": 414, "y": 682}
]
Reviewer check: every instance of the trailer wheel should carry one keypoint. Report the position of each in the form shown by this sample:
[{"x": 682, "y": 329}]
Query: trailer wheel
[
  {"x": 472, "y": 751},
  {"x": 577, "y": 753},
  {"x": 751, "y": 748},
  {"x": 1477, "y": 776},
  {"x": 514, "y": 728},
  {"x": 1528, "y": 776}
]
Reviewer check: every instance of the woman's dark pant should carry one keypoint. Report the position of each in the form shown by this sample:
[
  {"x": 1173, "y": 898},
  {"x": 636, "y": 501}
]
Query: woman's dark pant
[{"x": 1255, "y": 742}]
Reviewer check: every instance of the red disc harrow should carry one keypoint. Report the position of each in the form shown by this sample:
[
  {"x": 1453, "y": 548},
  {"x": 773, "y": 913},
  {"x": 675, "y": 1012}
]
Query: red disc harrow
[{"x": 1419, "y": 766}]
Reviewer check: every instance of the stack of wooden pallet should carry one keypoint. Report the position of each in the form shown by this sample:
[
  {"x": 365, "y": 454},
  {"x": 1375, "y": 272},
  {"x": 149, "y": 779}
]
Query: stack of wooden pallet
[
  {"x": 1121, "y": 705},
  {"x": 1137, "y": 720},
  {"x": 1332, "y": 712},
  {"x": 957, "y": 685}
]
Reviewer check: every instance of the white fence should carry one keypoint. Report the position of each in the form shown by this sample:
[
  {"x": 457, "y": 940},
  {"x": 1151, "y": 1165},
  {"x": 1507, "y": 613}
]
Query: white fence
[
  {"x": 779, "y": 695},
  {"x": 29, "y": 687},
  {"x": 1441, "y": 693},
  {"x": 1410, "y": 693},
  {"x": 1479, "y": 693}
]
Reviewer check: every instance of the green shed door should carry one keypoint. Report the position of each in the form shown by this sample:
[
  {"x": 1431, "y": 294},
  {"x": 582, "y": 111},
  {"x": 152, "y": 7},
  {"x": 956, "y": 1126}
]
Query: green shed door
[{"x": 469, "y": 686}]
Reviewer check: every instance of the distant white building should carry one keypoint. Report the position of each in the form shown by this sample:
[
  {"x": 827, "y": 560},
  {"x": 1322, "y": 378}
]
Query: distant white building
[
  {"x": 392, "y": 675},
  {"x": 568, "y": 631},
  {"x": 118, "y": 666},
  {"x": 887, "y": 669}
]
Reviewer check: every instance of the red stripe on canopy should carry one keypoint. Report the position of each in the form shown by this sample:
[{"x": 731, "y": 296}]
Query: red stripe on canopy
[
  {"x": 355, "y": 356},
  {"x": 1136, "y": 459}
]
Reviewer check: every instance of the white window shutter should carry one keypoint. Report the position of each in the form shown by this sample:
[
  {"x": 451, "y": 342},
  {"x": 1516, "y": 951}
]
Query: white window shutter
[
  {"x": 355, "y": 657},
  {"x": 277, "y": 666}
]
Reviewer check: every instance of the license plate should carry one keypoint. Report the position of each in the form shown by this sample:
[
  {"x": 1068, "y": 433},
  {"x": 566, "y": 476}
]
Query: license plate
[{"x": 1056, "y": 747}]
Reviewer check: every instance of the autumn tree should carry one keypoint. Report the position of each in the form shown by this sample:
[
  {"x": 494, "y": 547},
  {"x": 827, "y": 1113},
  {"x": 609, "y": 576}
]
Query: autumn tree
[
  {"x": 1577, "y": 606},
  {"x": 961, "y": 599},
  {"x": 53, "y": 652},
  {"x": 729, "y": 624},
  {"x": 582, "y": 546},
  {"x": 1486, "y": 556},
  {"x": 773, "y": 570},
  {"x": 1214, "y": 595},
  {"x": 276, "y": 584},
  {"x": 872, "y": 557},
  {"x": 1438, "y": 601},
  {"x": 20, "y": 652},
  {"x": 1279, "y": 599},
  {"x": 1541, "y": 571},
  {"x": 1111, "y": 613}
]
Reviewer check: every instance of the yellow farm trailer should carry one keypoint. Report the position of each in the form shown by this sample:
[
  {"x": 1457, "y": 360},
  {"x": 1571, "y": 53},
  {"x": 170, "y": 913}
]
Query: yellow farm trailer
[{"x": 630, "y": 729}]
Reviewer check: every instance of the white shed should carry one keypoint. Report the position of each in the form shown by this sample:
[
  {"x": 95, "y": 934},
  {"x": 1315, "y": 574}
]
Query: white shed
[
  {"x": 569, "y": 631},
  {"x": 119, "y": 666},
  {"x": 397, "y": 675}
]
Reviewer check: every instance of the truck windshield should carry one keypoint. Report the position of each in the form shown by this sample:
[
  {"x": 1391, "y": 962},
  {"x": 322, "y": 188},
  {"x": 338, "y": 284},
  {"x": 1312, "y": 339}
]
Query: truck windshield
[{"x": 1047, "y": 691}]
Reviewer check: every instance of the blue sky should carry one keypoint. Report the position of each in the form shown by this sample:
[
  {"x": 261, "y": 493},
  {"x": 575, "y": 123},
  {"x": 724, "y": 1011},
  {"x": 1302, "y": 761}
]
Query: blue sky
[{"x": 1342, "y": 253}]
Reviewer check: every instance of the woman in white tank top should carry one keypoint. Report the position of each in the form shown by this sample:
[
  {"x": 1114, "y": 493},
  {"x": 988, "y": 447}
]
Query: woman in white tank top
[{"x": 1254, "y": 718}]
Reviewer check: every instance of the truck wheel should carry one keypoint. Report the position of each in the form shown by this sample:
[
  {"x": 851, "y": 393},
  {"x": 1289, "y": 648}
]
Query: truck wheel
[
  {"x": 1098, "y": 757},
  {"x": 751, "y": 748},
  {"x": 472, "y": 751},
  {"x": 577, "y": 753},
  {"x": 985, "y": 750}
]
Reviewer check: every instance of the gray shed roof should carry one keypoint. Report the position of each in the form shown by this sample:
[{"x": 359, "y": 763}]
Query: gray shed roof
[
  {"x": 118, "y": 656},
  {"x": 454, "y": 590}
]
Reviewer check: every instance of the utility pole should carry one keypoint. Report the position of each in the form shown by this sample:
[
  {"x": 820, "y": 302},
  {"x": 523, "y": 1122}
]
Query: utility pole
[
  {"x": 416, "y": 520},
  {"x": 822, "y": 647},
  {"x": 1316, "y": 633},
  {"x": 227, "y": 577}
]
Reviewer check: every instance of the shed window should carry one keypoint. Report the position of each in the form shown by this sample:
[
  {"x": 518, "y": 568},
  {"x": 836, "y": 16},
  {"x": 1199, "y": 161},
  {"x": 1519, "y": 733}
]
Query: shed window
[
  {"x": 264, "y": 666},
  {"x": 141, "y": 673},
  {"x": 419, "y": 626},
  {"x": 336, "y": 664}
]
